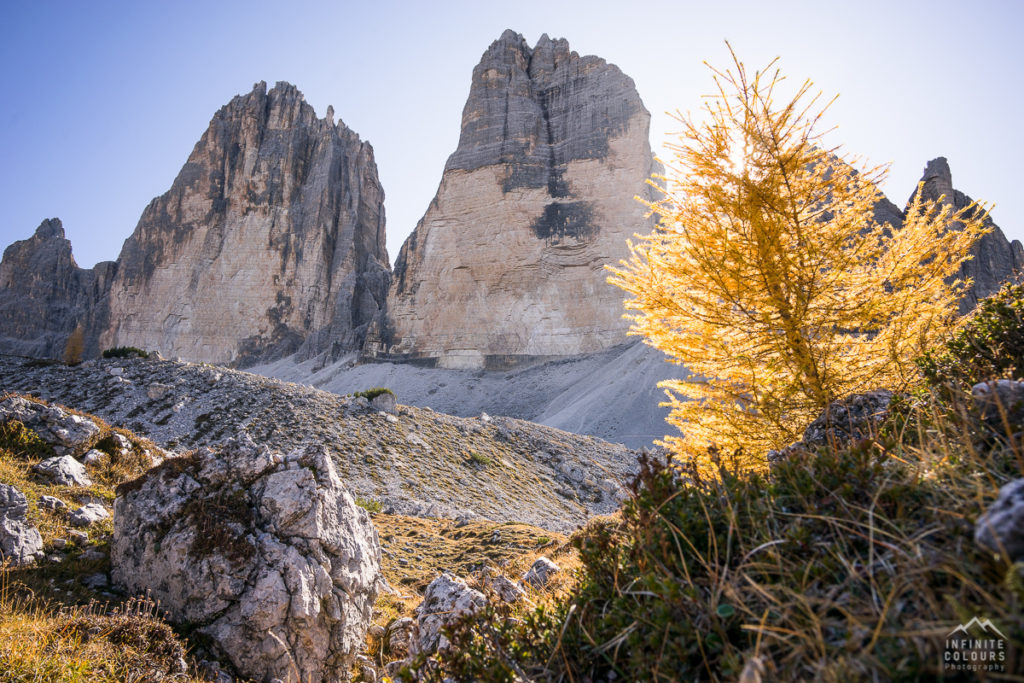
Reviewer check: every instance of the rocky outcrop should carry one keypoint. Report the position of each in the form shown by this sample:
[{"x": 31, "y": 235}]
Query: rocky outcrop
[
  {"x": 20, "y": 542},
  {"x": 269, "y": 242},
  {"x": 45, "y": 296},
  {"x": 844, "y": 422},
  {"x": 267, "y": 555},
  {"x": 1000, "y": 529},
  {"x": 63, "y": 471},
  {"x": 508, "y": 262},
  {"x": 445, "y": 601},
  {"x": 995, "y": 259},
  {"x": 64, "y": 432}
]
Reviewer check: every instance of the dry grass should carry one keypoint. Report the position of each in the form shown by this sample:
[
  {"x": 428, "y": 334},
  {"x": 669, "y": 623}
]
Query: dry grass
[
  {"x": 44, "y": 641},
  {"x": 53, "y": 627},
  {"x": 853, "y": 563}
]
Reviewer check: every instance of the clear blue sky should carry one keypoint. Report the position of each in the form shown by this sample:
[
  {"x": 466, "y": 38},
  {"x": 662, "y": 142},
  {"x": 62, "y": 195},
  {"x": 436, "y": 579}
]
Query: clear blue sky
[{"x": 103, "y": 101}]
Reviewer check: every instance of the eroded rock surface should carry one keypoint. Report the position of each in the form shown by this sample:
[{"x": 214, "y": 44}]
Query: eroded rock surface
[
  {"x": 508, "y": 261},
  {"x": 445, "y": 600},
  {"x": 64, "y": 432},
  {"x": 267, "y": 555},
  {"x": 270, "y": 241},
  {"x": 20, "y": 542}
]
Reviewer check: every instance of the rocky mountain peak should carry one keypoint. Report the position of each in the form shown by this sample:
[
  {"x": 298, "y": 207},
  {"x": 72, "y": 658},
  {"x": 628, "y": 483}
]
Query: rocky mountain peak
[
  {"x": 269, "y": 242},
  {"x": 44, "y": 295},
  {"x": 537, "y": 198},
  {"x": 995, "y": 259},
  {"x": 51, "y": 228}
]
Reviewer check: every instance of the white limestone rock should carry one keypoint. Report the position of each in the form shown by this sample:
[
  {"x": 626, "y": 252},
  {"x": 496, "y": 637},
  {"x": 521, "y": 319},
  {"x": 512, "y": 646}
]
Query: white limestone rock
[
  {"x": 87, "y": 515},
  {"x": 445, "y": 600},
  {"x": 65, "y": 432},
  {"x": 64, "y": 471},
  {"x": 270, "y": 557},
  {"x": 540, "y": 573},
  {"x": 20, "y": 542}
]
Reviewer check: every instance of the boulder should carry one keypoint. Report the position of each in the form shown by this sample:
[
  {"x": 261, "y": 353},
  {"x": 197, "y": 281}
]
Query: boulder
[
  {"x": 64, "y": 471},
  {"x": 93, "y": 456},
  {"x": 20, "y": 542},
  {"x": 445, "y": 600},
  {"x": 400, "y": 636},
  {"x": 267, "y": 555},
  {"x": 1001, "y": 527},
  {"x": 65, "y": 432},
  {"x": 52, "y": 503},
  {"x": 385, "y": 403},
  {"x": 88, "y": 515},
  {"x": 1000, "y": 404},
  {"x": 540, "y": 573},
  {"x": 500, "y": 585},
  {"x": 846, "y": 421}
]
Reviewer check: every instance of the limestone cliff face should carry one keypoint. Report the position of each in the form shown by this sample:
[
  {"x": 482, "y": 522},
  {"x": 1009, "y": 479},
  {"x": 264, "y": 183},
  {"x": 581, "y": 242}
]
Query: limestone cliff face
[
  {"x": 44, "y": 295},
  {"x": 269, "y": 242},
  {"x": 995, "y": 258},
  {"x": 508, "y": 260}
]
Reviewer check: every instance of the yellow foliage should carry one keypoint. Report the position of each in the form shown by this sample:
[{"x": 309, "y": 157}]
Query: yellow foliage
[{"x": 769, "y": 277}]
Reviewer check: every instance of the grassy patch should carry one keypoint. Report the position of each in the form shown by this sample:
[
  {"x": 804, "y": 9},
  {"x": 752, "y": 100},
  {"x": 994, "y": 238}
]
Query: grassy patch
[
  {"x": 850, "y": 564},
  {"x": 371, "y": 506},
  {"x": 478, "y": 458}
]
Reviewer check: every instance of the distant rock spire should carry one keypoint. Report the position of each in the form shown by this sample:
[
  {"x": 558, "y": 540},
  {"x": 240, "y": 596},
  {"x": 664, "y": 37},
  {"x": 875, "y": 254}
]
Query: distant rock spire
[{"x": 995, "y": 259}]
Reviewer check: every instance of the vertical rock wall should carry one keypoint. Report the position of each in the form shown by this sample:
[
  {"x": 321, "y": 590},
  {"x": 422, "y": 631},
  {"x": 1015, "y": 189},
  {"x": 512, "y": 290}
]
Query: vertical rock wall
[
  {"x": 508, "y": 261},
  {"x": 269, "y": 242}
]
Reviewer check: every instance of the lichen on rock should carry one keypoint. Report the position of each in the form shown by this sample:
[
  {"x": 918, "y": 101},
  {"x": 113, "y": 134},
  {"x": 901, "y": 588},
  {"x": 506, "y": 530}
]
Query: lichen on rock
[{"x": 266, "y": 554}]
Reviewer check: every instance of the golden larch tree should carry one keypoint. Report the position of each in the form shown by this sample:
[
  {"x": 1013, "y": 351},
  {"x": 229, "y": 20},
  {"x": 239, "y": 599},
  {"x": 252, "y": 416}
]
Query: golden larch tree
[{"x": 769, "y": 277}]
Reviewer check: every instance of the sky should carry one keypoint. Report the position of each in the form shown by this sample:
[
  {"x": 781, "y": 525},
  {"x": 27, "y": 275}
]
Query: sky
[{"x": 104, "y": 101}]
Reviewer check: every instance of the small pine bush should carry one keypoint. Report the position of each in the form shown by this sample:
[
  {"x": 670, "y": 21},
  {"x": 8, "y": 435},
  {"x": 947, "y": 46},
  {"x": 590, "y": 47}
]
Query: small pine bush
[
  {"x": 125, "y": 352},
  {"x": 373, "y": 393}
]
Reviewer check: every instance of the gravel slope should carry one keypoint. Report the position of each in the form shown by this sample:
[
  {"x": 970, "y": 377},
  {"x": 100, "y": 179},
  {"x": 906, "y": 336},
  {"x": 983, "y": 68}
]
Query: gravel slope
[
  {"x": 417, "y": 462},
  {"x": 612, "y": 395}
]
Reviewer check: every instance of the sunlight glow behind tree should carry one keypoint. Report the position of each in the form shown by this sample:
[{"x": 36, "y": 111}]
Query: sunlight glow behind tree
[{"x": 770, "y": 278}]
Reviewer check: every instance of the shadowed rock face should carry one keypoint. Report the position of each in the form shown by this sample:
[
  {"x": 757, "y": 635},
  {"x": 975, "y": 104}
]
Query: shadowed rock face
[
  {"x": 995, "y": 258},
  {"x": 44, "y": 295},
  {"x": 269, "y": 242},
  {"x": 508, "y": 262}
]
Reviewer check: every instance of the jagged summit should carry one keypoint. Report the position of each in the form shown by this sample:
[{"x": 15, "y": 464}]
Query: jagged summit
[
  {"x": 994, "y": 257},
  {"x": 269, "y": 242},
  {"x": 49, "y": 229},
  {"x": 508, "y": 262},
  {"x": 44, "y": 295}
]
